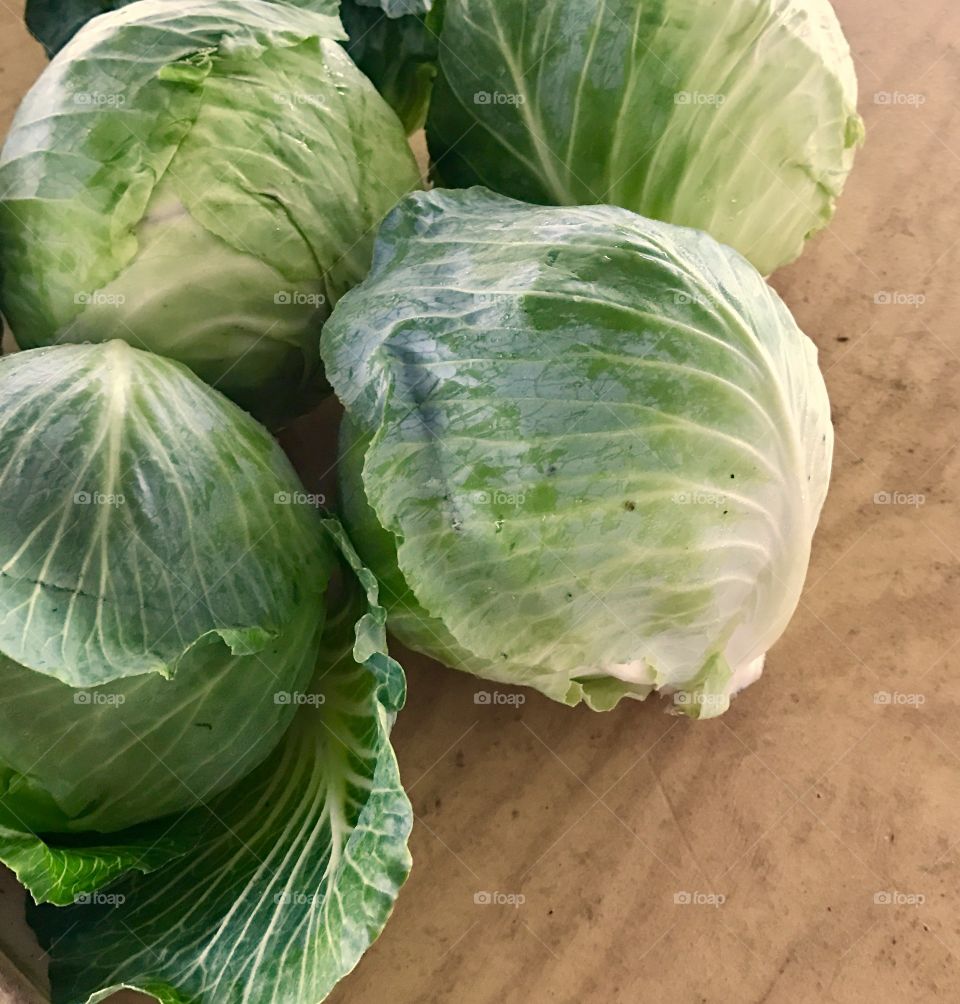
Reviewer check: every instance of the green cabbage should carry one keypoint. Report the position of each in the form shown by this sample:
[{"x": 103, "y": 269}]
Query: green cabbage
[
  {"x": 584, "y": 451},
  {"x": 194, "y": 756},
  {"x": 735, "y": 117},
  {"x": 208, "y": 200},
  {"x": 155, "y": 593}
]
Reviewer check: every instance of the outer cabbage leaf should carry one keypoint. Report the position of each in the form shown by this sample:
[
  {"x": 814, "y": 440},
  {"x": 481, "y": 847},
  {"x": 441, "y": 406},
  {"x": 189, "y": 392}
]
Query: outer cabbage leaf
[
  {"x": 294, "y": 871},
  {"x": 585, "y": 451},
  {"x": 54, "y": 22},
  {"x": 738, "y": 118},
  {"x": 209, "y": 200},
  {"x": 69, "y": 870},
  {"x": 158, "y": 582}
]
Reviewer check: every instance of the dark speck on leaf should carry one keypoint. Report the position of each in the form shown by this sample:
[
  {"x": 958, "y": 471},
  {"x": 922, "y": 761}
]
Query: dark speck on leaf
[
  {"x": 503, "y": 655},
  {"x": 629, "y": 506},
  {"x": 203, "y": 725},
  {"x": 725, "y": 511},
  {"x": 552, "y": 469},
  {"x": 733, "y": 475}
]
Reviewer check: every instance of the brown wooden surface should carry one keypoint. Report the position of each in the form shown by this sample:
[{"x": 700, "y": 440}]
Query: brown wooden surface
[{"x": 809, "y": 801}]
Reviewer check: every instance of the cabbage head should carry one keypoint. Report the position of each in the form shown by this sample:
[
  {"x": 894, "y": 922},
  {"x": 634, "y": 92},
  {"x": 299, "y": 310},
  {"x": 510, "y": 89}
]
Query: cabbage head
[
  {"x": 736, "y": 117},
  {"x": 156, "y": 592},
  {"x": 204, "y": 181},
  {"x": 194, "y": 729},
  {"x": 584, "y": 451}
]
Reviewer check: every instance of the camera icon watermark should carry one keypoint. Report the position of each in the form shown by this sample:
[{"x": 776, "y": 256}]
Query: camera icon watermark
[
  {"x": 899, "y": 99},
  {"x": 685, "y": 298},
  {"x": 697, "y": 699},
  {"x": 497, "y": 698},
  {"x": 98, "y": 298},
  {"x": 914, "y": 499},
  {"x": 99, "y": 899},
  {"x": 100, "y": 498},
  {"x": 898, "y": 298},
  {"x": 99, "y": 99},
  {"x": 893, "y": 897},
  {"x": 513, "y": 899},
  {"x": 685, "y": 897},
  {"x": 895, "y": 698},
  {"x": 290, "y": 898},
  {"x": 98, "y": 698},
  {"x": 298, "y": 298},
  {"x": 698, "y": 498},
  {"x": 699, "y": 99},
  {"x": 498, "y": 98},
  {"x": 295, "y": 99},
  {"x": 299, "y": 699},
  {"x": 498, "y": 497},
  {"x": 312, "y": 499}
]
